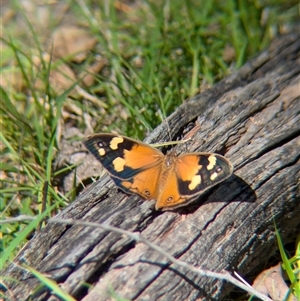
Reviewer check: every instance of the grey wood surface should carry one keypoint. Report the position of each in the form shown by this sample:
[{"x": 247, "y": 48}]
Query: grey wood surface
[{"x": 252, "y": 117}]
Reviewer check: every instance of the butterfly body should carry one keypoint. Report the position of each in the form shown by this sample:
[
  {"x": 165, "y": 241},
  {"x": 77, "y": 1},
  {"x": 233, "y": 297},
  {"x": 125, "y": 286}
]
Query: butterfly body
[{"x": 171, "y": 180}]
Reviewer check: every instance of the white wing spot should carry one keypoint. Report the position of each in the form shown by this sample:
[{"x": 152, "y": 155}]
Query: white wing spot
[
  {"x": 119, "y": 164},
  {"x": 196, "y": 180},
  {"x": 212, "y": 162},
  {"x": 213, "y": 176},
  {"x": 101, "y": 151},
  {"x": 114, "y": 143}
]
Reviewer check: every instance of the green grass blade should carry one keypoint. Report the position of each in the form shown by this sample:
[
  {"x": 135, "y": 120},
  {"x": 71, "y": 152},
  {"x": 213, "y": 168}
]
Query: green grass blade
[
  {"x": 22, "y": 236},
  {"x": 52, "y": 285}
]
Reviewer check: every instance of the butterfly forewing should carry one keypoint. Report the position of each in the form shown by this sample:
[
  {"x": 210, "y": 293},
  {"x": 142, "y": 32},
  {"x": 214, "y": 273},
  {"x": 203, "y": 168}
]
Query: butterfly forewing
[
  {"x": 197, "y": 172},
  {"x": 121, "y": 156}
]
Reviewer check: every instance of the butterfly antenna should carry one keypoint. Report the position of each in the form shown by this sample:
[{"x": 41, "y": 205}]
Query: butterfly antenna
[{"x": 170, "y": 143}]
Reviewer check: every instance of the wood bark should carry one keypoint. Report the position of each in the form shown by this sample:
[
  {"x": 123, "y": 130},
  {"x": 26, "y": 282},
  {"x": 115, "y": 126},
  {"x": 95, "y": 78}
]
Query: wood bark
[{"x": 252, "y": 117}]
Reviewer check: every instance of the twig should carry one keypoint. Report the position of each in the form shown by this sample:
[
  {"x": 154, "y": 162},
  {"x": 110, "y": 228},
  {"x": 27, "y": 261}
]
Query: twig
[{"x": 139, "y": 238}]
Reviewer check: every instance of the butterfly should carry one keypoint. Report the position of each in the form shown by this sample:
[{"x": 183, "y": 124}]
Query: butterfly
[{"x": 173, "y": 181}]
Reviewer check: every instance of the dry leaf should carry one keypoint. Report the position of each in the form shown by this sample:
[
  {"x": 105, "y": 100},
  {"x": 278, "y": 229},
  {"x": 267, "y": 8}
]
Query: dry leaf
[
  {"x": 271, "y": 283},
  {"x": 72, "y": 41},
  {"x": 62, "y": 78},
  {"x": 88, "y": 76},
  {"x": 228, "y": 54}
]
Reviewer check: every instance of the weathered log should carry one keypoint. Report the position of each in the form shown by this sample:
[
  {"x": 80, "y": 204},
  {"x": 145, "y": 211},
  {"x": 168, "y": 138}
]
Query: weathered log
[{"x": 253, "y": 118}]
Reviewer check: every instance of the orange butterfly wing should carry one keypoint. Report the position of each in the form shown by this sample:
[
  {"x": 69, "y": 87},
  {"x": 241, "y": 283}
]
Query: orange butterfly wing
[
  {"x": 145, "y": 183},
  {"x": 198, "y": 172},
  {"x": 169, "y": 196},
  {"x": 191, "y": 175},
  {"x": 134, "y": 166}
]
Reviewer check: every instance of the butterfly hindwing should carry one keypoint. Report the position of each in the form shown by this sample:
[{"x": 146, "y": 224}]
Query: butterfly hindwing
[
  {"x": 144, "y": 183},
  {"x": 198, "y": 172},
  {"x": 121, "y": 156},
  {"x": 169, "y": 196}
]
